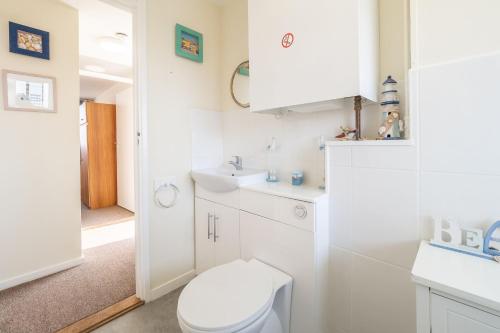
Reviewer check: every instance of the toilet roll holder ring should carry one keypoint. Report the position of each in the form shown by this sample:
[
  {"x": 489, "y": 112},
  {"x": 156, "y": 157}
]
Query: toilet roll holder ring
[{"x": 165, "y": 187}]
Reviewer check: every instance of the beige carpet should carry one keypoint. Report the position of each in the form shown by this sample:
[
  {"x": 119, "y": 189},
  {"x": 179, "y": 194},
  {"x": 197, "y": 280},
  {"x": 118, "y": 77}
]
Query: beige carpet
[
  {"x": 92, "y": 218},
  {"x": 49, "y": 304}
]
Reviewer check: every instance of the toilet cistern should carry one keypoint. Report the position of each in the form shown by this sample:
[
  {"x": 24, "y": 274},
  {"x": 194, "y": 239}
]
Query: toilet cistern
[{"x": 237, "y": 163}]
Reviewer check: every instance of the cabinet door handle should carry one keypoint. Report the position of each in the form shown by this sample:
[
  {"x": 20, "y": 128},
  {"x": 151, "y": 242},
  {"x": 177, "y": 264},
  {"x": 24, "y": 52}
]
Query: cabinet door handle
[
  {"x": 208, "y": 224},
  {"x": 216, "y": 218}
]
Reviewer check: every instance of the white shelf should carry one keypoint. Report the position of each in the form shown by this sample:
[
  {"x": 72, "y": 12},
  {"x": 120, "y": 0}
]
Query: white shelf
[{"x": 371, "y": 143}]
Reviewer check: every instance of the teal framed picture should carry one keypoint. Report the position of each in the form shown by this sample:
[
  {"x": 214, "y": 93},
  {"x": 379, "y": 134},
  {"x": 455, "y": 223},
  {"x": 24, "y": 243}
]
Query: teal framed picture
[{"x": 188, "y": 43}]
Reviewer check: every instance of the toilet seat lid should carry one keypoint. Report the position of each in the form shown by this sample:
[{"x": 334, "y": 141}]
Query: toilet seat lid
[{"x": 228, "y": 296}]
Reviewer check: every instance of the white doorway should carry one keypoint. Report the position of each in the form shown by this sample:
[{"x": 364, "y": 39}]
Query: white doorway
[
  {"x": 138, "y": 91},
  {"x": 107, "y": 134}
]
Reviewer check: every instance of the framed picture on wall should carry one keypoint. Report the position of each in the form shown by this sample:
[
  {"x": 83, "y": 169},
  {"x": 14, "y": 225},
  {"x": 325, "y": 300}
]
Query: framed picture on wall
[
  {"x": 28, "y": 41},
  {"x": 188, "y": 43},
  {"x": 28, "y": 92}
]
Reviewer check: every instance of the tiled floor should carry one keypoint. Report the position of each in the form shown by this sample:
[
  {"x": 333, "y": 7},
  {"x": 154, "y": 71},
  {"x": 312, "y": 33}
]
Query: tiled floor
[{"x": 155, "y": 317}]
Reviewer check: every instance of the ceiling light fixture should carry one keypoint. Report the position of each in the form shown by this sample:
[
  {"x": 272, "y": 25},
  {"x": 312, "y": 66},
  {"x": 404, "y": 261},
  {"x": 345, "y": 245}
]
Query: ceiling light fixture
[{"x": 115, "y": 44}]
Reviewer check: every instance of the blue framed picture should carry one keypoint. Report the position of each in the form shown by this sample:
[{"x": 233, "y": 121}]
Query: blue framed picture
[{"x": 28, "y": 41}]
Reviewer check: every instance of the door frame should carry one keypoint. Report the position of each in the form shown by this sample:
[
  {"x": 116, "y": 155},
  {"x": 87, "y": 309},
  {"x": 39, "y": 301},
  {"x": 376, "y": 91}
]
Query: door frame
[{"x": 141, "y": 166}]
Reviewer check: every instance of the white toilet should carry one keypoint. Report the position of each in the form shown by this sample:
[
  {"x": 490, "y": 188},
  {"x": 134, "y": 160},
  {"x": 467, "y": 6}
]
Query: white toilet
[{"x": 238, "y": 297}]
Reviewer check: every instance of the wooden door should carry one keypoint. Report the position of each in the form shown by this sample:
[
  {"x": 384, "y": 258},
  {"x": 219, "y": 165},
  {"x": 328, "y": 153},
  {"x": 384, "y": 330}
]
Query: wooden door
[
  {"x": 84, "y": 165},
  {"x": 101, "y": 138},
  {"x": 204, "y": 237}
]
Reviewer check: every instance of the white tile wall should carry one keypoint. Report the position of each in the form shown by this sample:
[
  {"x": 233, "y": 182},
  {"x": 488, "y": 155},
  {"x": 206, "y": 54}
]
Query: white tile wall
[
  {"x": 374, "y": 238},
  {"x": 340, "y": 290},
  {"x": 459, "y": 142},
  {"x": 382, "y": 298},
  {"x": 341, "y": 206},
  {"x": 394, "y": 158},
  {"x": 384, "y": 221},
  {"x": 383, "y": 198},
  {"x": 470, "y": 199},
  {"x": 248, "y": 134},
  {"x": 341, "y": 156},
  {"x": 459, "y": 116}
]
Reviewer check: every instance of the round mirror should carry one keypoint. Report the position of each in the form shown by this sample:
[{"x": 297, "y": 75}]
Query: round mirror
[{"x": 240, "y": 84}]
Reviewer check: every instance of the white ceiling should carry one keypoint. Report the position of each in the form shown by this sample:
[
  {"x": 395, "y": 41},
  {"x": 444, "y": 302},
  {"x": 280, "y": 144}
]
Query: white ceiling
[
  {"x": 98, "y": 19},
  {"x": 110, "y": 67},
  {"x": 91, "y": 87}
]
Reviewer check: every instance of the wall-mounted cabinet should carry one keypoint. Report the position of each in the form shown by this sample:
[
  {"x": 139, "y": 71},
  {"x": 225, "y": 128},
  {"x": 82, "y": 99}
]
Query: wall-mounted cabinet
[{"x": 312, "y": 53}]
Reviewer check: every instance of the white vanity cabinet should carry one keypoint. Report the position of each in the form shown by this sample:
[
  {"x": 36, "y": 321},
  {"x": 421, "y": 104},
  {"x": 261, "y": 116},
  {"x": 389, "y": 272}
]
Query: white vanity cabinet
[
  {"x": 305, "y": 55},
  {"x": 451, "y": 316},
  {"x": 217, "y": 234},
  {"x": 288, "y": 229},
  {"x": 284, "y": 226},
  {"x": 456, "y": 293}
]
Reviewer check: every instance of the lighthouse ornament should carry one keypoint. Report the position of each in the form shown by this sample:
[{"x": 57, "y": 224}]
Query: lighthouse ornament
[{"x": 393, "y": 126}]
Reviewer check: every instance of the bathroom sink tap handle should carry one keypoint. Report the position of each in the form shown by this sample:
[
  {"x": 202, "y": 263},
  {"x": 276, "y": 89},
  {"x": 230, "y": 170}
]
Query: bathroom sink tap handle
[{"x": 237, "y": 163}]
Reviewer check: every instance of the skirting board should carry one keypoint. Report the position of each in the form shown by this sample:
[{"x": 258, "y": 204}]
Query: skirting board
[
  {"x": 5, "y": 284},
  {"x": 172, "y": 285}
]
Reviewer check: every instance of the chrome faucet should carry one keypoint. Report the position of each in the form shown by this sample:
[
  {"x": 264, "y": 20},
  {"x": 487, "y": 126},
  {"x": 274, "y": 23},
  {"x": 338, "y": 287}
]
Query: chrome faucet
[{"x": 237, "y": 163}]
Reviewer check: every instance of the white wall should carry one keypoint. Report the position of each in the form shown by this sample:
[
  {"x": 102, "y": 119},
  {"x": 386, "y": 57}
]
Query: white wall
[
  {"x": 125, "y": 145},
  {"x": 207, "y": 141},
  {"x": 383, "y": 198},
  {"x": 459, "y": 176},
  {"x": 109, "y": 95},
  {"x": 176, "y": 86},
  {"x": 454, "y": 29},
  {"x": 39, "y": 169}
]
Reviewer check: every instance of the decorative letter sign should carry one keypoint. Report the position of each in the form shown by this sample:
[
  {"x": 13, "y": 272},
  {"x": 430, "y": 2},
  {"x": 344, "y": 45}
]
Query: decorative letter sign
[
  {"x": 449, "y": 235},
  {"x": 447, "y": 232},
  {"x": 474, "y": 239}
]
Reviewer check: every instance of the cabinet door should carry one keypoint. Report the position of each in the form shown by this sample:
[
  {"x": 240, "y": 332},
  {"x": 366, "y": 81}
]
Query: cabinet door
[
  {"x": 204, "y": 237},
  {"x": 449, "y": 316},
  {"x": 290, "y": 250},
  {"x": 227, "y": 234},
  {"x": 320, "y": 65}
]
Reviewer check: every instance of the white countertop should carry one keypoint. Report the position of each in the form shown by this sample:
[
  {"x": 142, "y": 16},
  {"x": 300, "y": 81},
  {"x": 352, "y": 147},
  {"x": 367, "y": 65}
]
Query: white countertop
[
  {"x": 370, "y": 143},
  {"x": 282, "y": 189},
  {"x": 470, "y": 278}
]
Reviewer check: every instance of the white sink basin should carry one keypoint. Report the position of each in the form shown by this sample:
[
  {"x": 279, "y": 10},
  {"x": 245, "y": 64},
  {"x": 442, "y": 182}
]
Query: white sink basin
[{"x": 227, "y": 179}]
